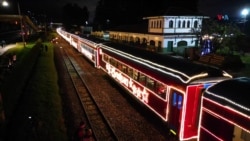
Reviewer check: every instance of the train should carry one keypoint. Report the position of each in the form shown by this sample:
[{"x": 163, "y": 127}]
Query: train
[
  {"x": 172, "y": 88},
  {"x": 225, "y": 111}
]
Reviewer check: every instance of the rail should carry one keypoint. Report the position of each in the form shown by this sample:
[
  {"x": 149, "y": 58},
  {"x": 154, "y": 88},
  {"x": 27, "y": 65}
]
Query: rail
[{"x": 98, "y": 123}]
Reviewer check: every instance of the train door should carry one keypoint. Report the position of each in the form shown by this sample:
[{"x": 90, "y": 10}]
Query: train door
[{"x": 175, "y": 108}]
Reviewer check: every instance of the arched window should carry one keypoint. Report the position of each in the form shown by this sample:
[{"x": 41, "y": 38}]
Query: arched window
[
  {"x": 188, "y": 24},
  {"x": 171, "y": 24},
  {"x": 195, "y": 24},
  {"x": 183, "y": 24},
  {"x": 179, "y": 24}
]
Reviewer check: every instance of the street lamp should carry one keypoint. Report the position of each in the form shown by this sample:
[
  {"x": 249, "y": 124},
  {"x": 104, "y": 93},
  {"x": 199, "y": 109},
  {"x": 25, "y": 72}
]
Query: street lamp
[
  {"x": 244, "y": 12},
  {"x": 5, "y": 3}
]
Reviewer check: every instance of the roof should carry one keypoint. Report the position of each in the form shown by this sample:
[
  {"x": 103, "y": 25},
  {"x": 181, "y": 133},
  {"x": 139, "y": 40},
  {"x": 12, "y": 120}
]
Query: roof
[
  {"x": 233, "y": 92},
  {"x": 183, "y": 70},
  {"x": 136, "y": 28}
]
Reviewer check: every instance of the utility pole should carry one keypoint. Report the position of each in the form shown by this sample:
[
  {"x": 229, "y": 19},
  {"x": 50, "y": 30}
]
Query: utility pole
[{"x": 21, "y": 24}]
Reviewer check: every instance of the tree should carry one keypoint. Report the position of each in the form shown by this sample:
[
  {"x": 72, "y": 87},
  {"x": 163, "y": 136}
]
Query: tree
[
  {"x": 224, "y": 35},
  {"x": 74, "y": 16}
]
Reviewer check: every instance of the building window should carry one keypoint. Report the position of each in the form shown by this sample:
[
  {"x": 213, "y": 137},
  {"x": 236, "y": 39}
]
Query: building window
[
  {"x": 171, "y": 23},
  {"x": 195, "y": 24},
  {"x": 179, "y": 24},
  {"x": 160, "y": 24},
  {"x": 183, "y": 24},
  {"x": 188, "y": 24}
]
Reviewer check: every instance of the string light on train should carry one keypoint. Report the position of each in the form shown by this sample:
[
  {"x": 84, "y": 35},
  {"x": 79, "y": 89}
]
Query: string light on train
[
  {"x": 228, "y": 100},
  {"x": 221, "y": 117},
  {"x": 152, "y": 66}
]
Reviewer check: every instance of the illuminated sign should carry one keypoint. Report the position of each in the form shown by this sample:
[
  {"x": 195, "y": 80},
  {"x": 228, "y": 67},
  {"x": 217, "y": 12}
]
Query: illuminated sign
[
  {"x": 138, "y": 91},
  {"x": 222, "y": 17}
]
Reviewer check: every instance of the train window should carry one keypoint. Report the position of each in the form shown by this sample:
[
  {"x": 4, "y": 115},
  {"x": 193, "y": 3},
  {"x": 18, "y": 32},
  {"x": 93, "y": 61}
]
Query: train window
[
  {"x": 177, "y": 100},
  {"x": 142, "y": 78},
  {"x": 124, "y": 68},
  {"x": 119, "y": 66},
  {"x": 161, "y": 89},
  {"x": 106, "y": 58},
  {"x": 150, "y": 83},
  {"x": 135, "y": 75},
  {"x": 130, "y": 72},
  {"x": 113, "y": 62},
  {"x": 245, "y": 135}
]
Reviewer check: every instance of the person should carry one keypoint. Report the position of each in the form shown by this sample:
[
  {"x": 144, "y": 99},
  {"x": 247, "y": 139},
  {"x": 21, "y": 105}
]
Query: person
[
  {"x": 14, "y": 58},
  {"x": 3, "y": 43},
  {"x": 88, "y": 135},
  {"x": 46, "y": 48},
  {"x": 81, "y": 131}
]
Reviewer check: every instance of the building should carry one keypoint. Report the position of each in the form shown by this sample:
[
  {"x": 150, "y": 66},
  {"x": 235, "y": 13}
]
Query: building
[{"x": 161, "y": 33}]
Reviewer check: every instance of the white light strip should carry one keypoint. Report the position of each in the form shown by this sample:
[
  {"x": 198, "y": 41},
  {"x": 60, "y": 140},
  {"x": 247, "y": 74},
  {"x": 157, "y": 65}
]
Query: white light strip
[{"x": 228, "y": 100}]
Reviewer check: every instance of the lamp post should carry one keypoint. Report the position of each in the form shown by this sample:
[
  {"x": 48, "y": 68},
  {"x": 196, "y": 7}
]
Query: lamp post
[
  {"x": 21, "y": 23},
  {"x": 244, "y": 12}
]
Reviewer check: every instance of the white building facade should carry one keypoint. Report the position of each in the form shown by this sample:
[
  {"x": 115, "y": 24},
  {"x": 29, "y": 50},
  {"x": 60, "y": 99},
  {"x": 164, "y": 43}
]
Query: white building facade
[{"x": 170, "y": 33}]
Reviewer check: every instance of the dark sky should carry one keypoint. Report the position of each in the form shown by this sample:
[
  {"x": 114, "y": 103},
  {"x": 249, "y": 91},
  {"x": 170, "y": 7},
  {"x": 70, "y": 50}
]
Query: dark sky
[
  {"x": 230, "y": 7},
  {"x": 52, "y": 8}
]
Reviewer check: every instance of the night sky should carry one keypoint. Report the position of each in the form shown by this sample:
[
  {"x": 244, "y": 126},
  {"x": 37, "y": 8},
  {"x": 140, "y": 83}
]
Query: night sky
[
  {"x": 52, "y": 8},
  {"x": 230, "y": 7}
]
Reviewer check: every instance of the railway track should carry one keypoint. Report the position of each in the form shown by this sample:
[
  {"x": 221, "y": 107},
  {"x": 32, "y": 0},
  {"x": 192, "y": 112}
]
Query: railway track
[{"x": 97, "y": 121}]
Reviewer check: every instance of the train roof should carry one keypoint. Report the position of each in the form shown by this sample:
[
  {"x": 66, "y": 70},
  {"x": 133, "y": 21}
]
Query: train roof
[
  {"x": 234, "y": 93},
  {"x": 185, "y": 69}
]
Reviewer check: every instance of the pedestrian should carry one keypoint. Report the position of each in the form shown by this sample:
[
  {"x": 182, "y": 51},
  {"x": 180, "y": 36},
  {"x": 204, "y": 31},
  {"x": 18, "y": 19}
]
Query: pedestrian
[
  {"x": 88, "y": 135},
  {"x": 81, "y": 131},
  {"x": 14, "y": 58},
  {"x": 3, "y": 43}
]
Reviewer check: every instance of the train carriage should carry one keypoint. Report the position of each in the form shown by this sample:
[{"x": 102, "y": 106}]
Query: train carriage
[
  {"x": 225, "y": 111},
  {"x": 170, "y": 87}
]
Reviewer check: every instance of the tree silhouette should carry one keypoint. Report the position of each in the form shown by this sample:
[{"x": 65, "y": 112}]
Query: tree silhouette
[{"x": 74, "y": 16}]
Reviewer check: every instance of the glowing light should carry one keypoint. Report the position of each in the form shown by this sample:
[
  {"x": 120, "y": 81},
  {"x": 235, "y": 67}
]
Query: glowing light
[
  {"x": 244, "y": 12},
  {"x": 172, "y": 131},
  {"x": 5, "y": 3},
  {"x": 219, "y": 139},
  {"x": 221, "y": 117},
  {"x": 139, "y": 91},
  {"x": 228, "y": 100},
  {"x": 156, "y": 66}
]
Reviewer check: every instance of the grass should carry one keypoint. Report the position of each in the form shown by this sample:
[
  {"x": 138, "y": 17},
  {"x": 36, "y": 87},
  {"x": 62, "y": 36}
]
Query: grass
[{"x": 37, "y": 96}]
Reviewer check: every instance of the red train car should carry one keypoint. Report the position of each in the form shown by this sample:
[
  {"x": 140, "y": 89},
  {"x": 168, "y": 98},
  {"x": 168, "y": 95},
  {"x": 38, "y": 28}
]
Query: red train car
[
  {"x": 170, "y": 87},
  {"x": 225, "y": 111}
]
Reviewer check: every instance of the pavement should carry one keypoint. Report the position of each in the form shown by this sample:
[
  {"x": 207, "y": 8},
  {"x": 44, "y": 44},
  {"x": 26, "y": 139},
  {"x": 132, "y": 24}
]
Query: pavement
[{"x": 5, "y": 48}]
